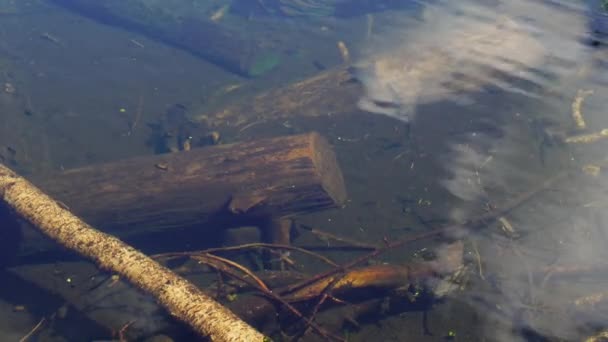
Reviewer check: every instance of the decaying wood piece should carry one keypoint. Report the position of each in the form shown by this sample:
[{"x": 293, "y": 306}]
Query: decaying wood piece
[
  {"x": 277, "y": 177},
  {"x": 182, "y": 299},
  {"x": 328, "y": 93},
  {"x": 184, "y": 25},
  {"x": 376, "y": 276},
  {"x": 382, "y": 276}
]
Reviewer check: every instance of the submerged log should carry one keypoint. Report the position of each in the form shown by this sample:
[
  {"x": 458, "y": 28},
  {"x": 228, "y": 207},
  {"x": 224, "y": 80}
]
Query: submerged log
[
  {"x": 183, "y": 25},
  {"x": 332, "y": 92},
  {"x": 226, "y": 184},
  {"x": 181, "y": 298}
]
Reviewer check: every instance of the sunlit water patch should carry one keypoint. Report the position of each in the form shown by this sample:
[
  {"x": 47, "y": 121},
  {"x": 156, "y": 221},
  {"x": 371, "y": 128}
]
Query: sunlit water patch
[{"x": 539, "y": 262}]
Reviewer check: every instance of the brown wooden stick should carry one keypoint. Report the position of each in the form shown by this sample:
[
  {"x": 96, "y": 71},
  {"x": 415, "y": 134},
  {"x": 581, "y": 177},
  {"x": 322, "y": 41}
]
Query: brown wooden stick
[
  {"x": 181, "y": 298},
  {"x": 270, "y": 246},
  {"x": 235, "y": 265},
  {"x": 328, "y": 236},
  {"x": 34, "y": 329},
  {"x": 343, "y": 268}
]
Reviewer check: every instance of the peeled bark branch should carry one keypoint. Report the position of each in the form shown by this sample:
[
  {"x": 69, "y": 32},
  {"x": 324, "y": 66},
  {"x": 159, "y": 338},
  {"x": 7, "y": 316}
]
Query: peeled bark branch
[{"x": 181, "y": 298}]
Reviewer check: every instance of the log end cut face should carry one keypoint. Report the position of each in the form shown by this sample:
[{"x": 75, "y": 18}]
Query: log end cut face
[{"x": 330, "y": 173}]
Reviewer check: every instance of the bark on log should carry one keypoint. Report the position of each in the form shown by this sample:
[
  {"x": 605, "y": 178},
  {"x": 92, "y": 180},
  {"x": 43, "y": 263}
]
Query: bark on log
[
  {"x": 182, "y": 299},
  {"x": 329, "y": 93},
  {"x": 236, "y": 183}
]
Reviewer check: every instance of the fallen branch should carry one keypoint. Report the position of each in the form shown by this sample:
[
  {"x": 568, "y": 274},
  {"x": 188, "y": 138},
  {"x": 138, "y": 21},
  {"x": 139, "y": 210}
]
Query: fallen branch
[
  {"x": 328, "y": 236},
  {"x": 181, "y": 298},
  {"x": 34, "y": 329},
  {"x": 254, "y": 245}
]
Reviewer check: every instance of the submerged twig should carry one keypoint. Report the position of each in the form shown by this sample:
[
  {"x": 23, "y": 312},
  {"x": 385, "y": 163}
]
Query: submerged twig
[
  {"x": 133, "y": 122},
  {"x": 258, "y": 281},
  {"x": 34, "y": 329},
  {"x": 577, "y": 114},
  {"x": 271, "y": 246},
  {"x": 328, "y": 236},
  {"x": 478, "y": 258},
  {"x": 123, "y": 330}
]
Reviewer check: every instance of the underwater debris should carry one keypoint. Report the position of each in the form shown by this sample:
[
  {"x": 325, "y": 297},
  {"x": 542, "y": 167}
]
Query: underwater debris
[
  {"x": 577, "y": 114},
  {"x": 220, "y": 13},
  {"x": 162, "y": 166},
  {"x": 592, "y": 170},
  {"x": 9, "y": 88},
  {"x": 137, "y": 43},
  {"x": 588, "y": 138},
  {"x": 213, "y": 138},
  {"x": 602, "y": 336},
  {"x": 173, "y": 132},
  {"x": 591, "y": 300},
  {"x": 507, "y": 227},
  {"x": 51, "y": 38},
  {"x": 344, "y": 52}
]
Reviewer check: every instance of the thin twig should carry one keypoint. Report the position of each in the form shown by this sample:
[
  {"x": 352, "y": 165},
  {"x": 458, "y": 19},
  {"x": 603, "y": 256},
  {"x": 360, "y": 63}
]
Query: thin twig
[
  {"x": 326, "y": 293},
  {"x": 241, "y": 268},
  {"x": 24, "y": 338},
  {"x": 478, "y": 258},
  {"x": 330, "y": 236},
  {"x": 123, "y": 330},
  {"x": 137, "y": 116},
  {"x": 271, "y": 246},
  {"x": 220, "y": 284}
]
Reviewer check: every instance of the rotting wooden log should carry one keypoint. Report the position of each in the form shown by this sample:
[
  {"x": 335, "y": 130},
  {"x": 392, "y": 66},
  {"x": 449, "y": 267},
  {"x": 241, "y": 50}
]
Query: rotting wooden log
[
  {"x": 184, "y": 25},
  {"x": 238, "y": 183},
  {"x": 333, "y": 92},
  {"x": 181, "y": 298}
]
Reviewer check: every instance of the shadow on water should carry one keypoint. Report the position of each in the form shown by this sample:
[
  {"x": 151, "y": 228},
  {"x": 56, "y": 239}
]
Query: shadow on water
[{"x": 446, "y": 69}]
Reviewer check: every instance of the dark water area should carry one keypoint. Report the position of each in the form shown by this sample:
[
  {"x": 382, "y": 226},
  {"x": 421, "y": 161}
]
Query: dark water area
[{"x": 485, "y": 117}]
